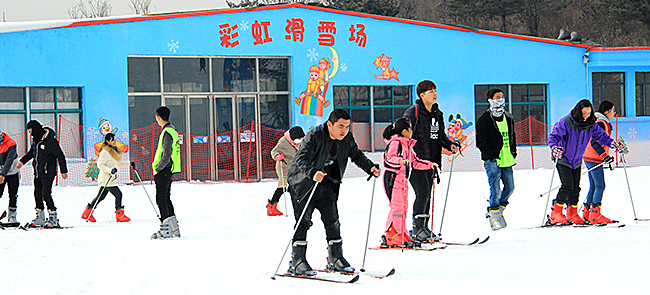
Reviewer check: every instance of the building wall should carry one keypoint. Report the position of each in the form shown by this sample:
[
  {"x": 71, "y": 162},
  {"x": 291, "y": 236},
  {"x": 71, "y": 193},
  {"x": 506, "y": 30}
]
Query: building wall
[{"x": 95, "y": 57}]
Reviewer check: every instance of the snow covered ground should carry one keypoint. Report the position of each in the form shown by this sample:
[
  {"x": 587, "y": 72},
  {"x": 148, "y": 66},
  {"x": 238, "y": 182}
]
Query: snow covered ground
[{"x": 230, "y": 246}]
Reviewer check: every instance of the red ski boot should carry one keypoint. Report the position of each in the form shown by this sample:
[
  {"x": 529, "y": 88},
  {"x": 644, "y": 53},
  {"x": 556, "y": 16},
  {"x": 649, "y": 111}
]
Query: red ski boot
[
  {"x": 88, "y": 214},
  {"x": 272, "y": 209},
  {"x": 556, "y": 214},
  {"x": 595, "y": 217},
  {"x": 573, "y": 216},
  {"x": 120, "y": 217},
  {"x": 393, "y": 238},
  {"x": 585, "y": 212}
]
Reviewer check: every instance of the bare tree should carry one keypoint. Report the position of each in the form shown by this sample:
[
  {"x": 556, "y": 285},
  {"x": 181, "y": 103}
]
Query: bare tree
[
  {"x": 95, "y": 8},
  {"x": 140, "y": 6}
]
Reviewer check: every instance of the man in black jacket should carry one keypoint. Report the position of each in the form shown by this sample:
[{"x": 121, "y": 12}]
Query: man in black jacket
[
  {"x": 45, "y": 151},
  {"x": 495, "y": 138},
  {"x": 320, "y": 163},
  {"x": 429, "y": 132}
]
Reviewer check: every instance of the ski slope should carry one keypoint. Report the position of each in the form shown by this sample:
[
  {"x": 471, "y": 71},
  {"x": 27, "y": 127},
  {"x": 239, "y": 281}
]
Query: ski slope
[{"x": 230, "y": 246}]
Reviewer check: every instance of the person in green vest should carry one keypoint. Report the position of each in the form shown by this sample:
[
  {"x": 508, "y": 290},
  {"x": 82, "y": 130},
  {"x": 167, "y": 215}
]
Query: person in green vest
[
  {"x": 166, "y": 162},
  {"x": 495, "y": 138}
]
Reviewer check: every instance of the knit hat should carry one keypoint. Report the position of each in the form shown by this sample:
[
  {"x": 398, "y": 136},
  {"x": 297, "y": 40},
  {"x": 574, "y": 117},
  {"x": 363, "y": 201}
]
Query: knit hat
[
  {"x": 296, "y": 132},
  {"x": 37, "y": 128}
]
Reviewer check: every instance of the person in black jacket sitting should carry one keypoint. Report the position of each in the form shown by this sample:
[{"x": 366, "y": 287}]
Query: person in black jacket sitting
[
  {"x": 45, "y": 151},
  {"x": 495, "y": 138},
  {"x": 429, "y": 132},
  {"x": 320, "y": 164}
]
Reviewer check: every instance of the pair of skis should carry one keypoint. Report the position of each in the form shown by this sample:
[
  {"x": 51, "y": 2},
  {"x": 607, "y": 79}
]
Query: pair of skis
[
  {"x": 548, "y": 224},
  {"x": 26, "y": 227},
  {"x": 333, "y": 276},
  {"x": 432, "y": 246}
]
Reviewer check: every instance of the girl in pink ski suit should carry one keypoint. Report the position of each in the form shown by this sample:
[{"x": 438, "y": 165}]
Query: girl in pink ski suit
[{"x": 399, "y": 157}]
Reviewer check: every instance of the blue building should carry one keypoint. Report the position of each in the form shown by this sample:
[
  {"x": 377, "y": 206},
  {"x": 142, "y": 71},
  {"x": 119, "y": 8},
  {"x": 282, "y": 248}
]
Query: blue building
[{"x": 287, "y": 65}]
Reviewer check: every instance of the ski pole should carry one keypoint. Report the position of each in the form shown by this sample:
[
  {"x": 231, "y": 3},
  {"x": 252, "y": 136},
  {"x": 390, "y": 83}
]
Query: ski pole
[
  {"x": 101, "y": 191},
  {"x": 145, "y": 191},
  {"x": 295, "y": 228},
  {"x": 284, "y": 189},
  {"x": 549, "y": 195},
  {"x": 451, "y": 169},
  {"x": 559, "y": 186},
  {"x": 372, "y": 197},
  {"x": 628, "y": 186}
]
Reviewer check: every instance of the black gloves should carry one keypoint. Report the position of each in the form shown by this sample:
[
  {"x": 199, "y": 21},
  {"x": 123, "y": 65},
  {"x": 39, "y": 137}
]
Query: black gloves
[
  {"x": 132, "y": 164},
  {"x": 114, "y": 171}
]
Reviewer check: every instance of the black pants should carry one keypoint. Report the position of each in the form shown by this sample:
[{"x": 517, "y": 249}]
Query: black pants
[
  {"x": 43, "y": 191},
  {"x": 13, "y": 182},
  {"x": 163, "y": 182},
  {"x": 103, "y": 191},
  {"x": 324, "y": 199},
  {"x": 570, "y": 190},
  {"x": 276, "y": 195},
  {"x": 389, "y": 182},
  {"x": 422, "y": 183}
]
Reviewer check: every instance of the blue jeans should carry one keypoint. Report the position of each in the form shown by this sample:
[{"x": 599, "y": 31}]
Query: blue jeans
[
  {"x": 496, "y": 173},
  {"x": 596, "y": 183}
]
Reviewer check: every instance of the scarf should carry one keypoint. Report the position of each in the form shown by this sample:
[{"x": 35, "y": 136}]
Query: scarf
[
  {"x": 115, "y": 152},
  {"x": 497, "y": 106}
]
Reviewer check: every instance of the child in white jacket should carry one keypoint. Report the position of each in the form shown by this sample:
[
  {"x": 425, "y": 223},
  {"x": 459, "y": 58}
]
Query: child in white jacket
[{"x": 109, "y": 159}]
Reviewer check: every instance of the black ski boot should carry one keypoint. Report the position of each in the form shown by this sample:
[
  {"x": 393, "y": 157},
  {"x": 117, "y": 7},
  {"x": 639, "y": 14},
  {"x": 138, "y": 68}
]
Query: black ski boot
[
  {"x": 298, "y": 264},
  {"x": 421, "y": 231},
  {"x": 335, "y": 260}
]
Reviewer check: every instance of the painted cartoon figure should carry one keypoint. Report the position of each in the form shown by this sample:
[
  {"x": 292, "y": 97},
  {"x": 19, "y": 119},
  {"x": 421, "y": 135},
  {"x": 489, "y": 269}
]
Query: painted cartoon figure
[
  {"x": 323, "y": 79},
  {"x": 312, "y": 100},
  {"x": 106, "y": 127},
  {"x": 455, "y": 132},
  {"x": 383, "y": 62}
]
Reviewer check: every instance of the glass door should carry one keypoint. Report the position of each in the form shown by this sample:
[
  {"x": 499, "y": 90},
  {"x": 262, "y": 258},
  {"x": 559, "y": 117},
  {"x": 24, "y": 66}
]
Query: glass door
[
  {"x": 178, "y": 117},
  {"x": 198, "y": 139},
  {"x": 224, "y": 153},
  {"x": 247, "y": 134}
]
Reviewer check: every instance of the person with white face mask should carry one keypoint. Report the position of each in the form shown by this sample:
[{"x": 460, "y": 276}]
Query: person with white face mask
[
  {"x": 283, "y": 153},
  {"x": 495, "y": 138}
]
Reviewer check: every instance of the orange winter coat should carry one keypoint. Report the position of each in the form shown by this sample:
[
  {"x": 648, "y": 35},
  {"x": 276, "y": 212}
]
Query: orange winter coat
[{"x": 596, "y": 152}]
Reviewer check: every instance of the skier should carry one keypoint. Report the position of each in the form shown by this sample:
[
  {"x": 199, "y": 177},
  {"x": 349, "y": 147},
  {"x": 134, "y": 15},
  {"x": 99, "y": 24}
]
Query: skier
[
  {"x": 9, "y": 175},
  {"x": 320, "y": 162},
  {"x": 594, "y": 155},
  {"x": 283, "y": 154},
  {"x": 45, "y": 151},
  {"x": 399, "y": 157},
  {"x": 568, "y": 141},
  {"x": 166, "y": 162},
  {"x": 109, "y": 159},
  {"x": 495, "y": 138},
  {"x": 429, "y": 131}
]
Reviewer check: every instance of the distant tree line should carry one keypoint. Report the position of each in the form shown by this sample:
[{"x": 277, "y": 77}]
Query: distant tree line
[{"x": 606, "y": 22}]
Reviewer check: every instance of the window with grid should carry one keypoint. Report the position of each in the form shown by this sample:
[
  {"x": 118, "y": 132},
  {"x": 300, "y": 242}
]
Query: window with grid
[
  {"x": 643, "y": 93},
  {"x": 609, "y": 86}
]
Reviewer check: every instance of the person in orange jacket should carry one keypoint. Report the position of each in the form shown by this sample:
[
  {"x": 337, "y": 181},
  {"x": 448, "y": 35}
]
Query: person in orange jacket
[{"x": 9, "y": 175}]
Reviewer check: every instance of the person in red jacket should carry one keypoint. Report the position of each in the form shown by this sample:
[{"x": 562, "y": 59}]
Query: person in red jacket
[
  {"x": 596, "y": 156},
  {"x": 9, "y": 175},
  {"x": 399, "y": 157}
]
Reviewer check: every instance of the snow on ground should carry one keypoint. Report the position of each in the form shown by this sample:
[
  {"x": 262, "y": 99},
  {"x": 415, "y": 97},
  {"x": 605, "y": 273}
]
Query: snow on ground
[{"x": 230, "y": 246}]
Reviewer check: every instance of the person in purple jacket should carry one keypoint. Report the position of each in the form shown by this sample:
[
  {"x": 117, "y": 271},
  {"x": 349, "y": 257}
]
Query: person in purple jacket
[{"x": 568, "y": 141}]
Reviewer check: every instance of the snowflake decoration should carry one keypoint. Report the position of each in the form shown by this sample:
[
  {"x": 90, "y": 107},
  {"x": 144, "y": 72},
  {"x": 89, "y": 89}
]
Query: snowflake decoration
[
  {"x": 313, "y": 55},
  {"x": 344, "y": 67},
  {"x": 632, "y": 133},
  {"x": 173, "y": 46},
  {"x": 243, "y": 26}
]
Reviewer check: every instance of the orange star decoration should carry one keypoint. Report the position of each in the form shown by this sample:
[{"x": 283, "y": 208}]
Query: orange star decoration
[
  {"x": 393, "y": 74},
  {"x": 377, "y": 60}
]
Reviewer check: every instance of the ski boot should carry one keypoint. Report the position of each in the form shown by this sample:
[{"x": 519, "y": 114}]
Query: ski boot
[
  {"x": 421, "y": 232},
  {"x": 52, "y": 221},
  {"x": 12, "y": 215},
  {"x": 272, "y": 209},
  {"x": 165, "y": 231},
  {"x": 573, "y": 216},
  {"x": 39, "y": 220},
  {"x": 557, "y": 217},
  {"x": 495, "y": 217},
  {"x": 173, "y": 226},
  {"x": 335, "y": 260},
  {"x": 595, "y": 217},
  {"x": 502, "y": 207},
  {"x": 298, "y": 264},
  {"x": 120, "y": 217},
  {"x": 395, "y": 239},
  {"x": 88, "y": 214},
  {"x": 585, "y": 213}
]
